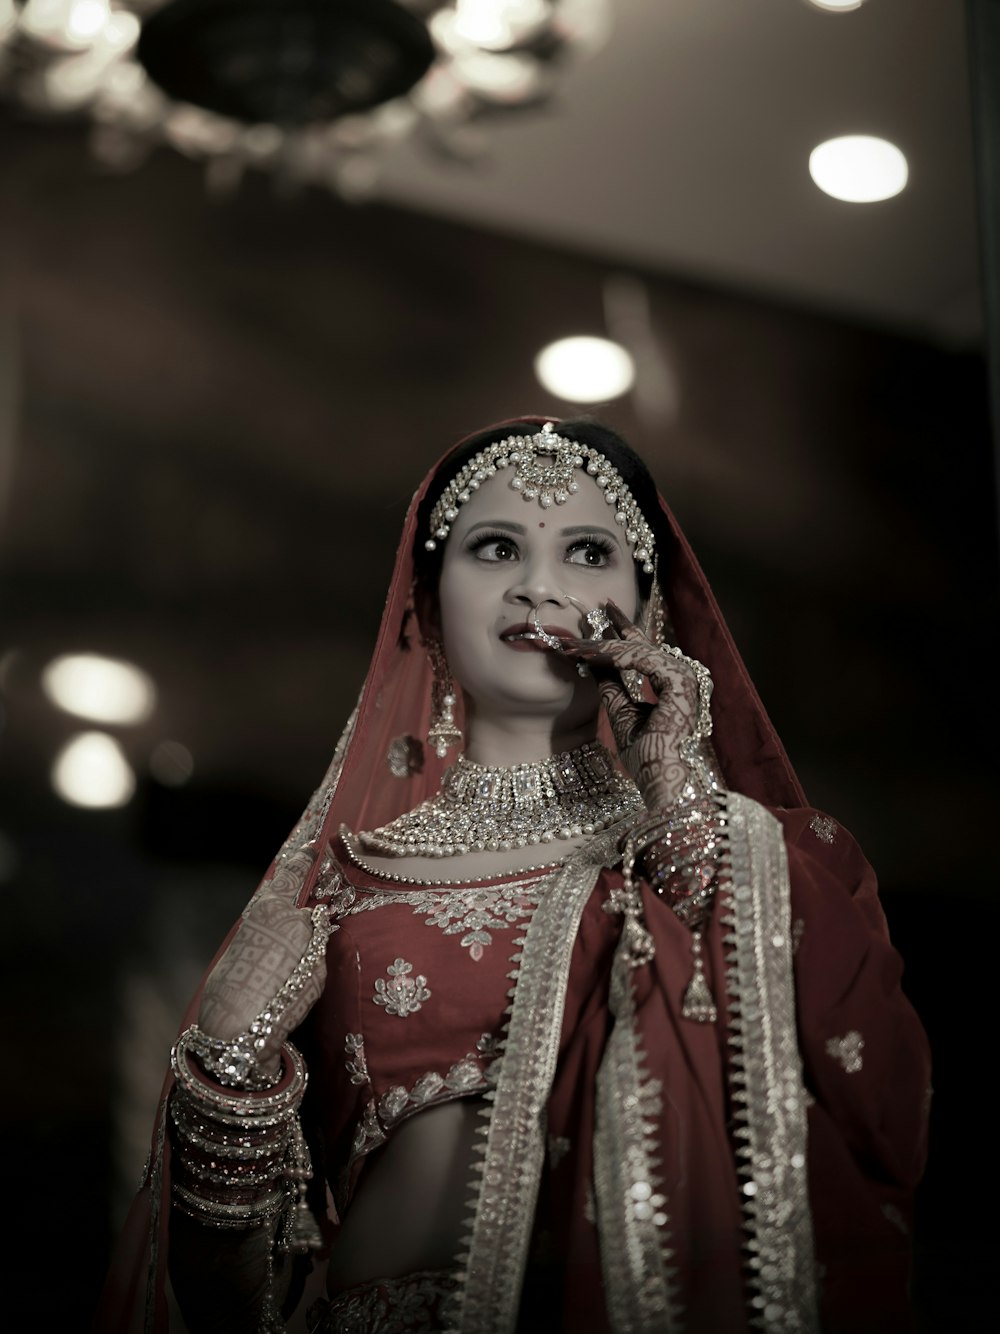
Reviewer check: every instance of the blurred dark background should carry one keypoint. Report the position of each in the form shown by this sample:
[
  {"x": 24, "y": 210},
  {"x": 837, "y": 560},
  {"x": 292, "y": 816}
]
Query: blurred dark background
[{"x": 212, "y": 415}]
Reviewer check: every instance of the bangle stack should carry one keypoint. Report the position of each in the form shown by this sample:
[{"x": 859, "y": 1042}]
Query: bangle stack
[
  {"x": 678, "y": 851},
  {"x": 236, "y": 1152},
  {"x": 242, "y": 1160}
]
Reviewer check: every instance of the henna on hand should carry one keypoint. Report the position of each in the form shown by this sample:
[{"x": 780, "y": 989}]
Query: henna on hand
[
  {"x": 271, "y": 940},
  {"x": 648, "y": 736}
]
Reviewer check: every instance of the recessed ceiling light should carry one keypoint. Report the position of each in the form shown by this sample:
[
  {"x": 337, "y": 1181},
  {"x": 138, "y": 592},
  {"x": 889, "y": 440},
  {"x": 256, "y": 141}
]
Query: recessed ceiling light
[
  {"x": 836, "y": 6},
  {"x": 858, "y": 168},
  {"x": 91, "y": 771},
  {"x": 585, "y": 369},
  {"x": 105, "y": 690}
]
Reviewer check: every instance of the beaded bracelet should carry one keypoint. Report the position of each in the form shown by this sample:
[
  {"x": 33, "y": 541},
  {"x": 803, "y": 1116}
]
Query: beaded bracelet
[{"x": 242, "y": 1159}]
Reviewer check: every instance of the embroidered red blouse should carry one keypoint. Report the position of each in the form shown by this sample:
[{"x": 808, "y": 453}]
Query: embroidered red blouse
[{"x": 418, "y": 985}]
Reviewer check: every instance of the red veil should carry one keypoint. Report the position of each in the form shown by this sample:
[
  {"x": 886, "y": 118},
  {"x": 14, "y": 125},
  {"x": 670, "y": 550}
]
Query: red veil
[{"x": 816, "y": 895}]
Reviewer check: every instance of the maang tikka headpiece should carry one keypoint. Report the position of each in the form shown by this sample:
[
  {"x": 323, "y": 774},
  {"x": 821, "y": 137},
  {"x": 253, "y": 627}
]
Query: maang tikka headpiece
[{"x": 543, "y": 465}]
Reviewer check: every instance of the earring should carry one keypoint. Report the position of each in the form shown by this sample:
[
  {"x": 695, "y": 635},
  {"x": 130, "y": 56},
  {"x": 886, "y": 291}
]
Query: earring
[
  {"x": 443, "y": 731},
  {"x": 655, "y": 618}
]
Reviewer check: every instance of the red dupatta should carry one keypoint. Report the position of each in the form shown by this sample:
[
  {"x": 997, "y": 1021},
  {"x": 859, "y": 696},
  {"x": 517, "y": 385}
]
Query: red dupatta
[{"x": 362, "y": 791}]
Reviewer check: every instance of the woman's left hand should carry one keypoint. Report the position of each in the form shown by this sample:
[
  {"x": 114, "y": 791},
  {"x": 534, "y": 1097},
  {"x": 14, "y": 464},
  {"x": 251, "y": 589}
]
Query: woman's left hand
[{"x": 648, "y": 736}]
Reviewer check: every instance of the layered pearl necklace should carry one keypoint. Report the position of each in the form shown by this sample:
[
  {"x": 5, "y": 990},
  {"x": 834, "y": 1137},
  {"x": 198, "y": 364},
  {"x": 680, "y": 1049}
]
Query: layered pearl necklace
[{"x": 484, "y": 809}]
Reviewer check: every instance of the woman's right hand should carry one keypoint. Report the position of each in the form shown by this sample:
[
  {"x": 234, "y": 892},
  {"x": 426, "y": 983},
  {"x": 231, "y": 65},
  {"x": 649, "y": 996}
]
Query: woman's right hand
[{"x": 271, "y": 939}]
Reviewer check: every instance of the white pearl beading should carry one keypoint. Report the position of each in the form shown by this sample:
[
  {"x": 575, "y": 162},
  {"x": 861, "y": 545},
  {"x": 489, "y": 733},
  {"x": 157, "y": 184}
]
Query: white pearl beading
[{"x": 543, "y": 465}]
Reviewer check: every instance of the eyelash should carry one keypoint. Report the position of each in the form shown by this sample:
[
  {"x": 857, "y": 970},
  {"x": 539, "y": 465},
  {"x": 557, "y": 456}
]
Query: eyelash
[{"x": 489, "y": 536}]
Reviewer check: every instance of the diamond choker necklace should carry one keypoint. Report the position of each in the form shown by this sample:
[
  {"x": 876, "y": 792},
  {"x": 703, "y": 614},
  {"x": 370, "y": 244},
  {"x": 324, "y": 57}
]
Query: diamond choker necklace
[{"x": 479, "y": 808}]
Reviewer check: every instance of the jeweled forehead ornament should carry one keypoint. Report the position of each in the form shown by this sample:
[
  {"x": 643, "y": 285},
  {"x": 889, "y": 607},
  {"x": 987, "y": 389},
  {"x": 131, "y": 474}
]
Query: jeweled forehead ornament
[{"x": 542, "y": 468}]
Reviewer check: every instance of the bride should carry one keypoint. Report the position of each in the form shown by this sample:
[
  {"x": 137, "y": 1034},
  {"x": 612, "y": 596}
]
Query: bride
[{"x": 602, "y": 1025}]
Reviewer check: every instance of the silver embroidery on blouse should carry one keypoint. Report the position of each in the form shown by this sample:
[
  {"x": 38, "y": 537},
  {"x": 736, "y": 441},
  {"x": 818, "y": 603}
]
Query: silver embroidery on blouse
[
  {"x": 402, "y": 994},
  {"x": 407, "y": 1305},
  {"x": 357, "y": 1066},
  {"x": 471, "y": 913},
  {"x": 489, "y": 1046},
  {"x": 890, "y": 1212},
  {"x": 465, "y": 1076},
  {"x": 798, "y": 930},
  {"x": 824, "y": 828},
  {"x": 847, "y": 1050},
  {"x": 328, "y": 879},
  {"x": 368, "y": 1134}
]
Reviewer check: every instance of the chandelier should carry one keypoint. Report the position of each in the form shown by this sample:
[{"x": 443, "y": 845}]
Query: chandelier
[{"x": 317, "y": 90}]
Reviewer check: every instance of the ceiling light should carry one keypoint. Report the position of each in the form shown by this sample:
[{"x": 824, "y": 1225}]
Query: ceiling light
[
  {"x": 67, "y": 23},
  {"x": 499, "y": 24},
  {"x": 858, "y": 168},
  {"x": 104, "y": 690},
  {"x": 837, "y": 6},
  {"x": 207, "y": 75},
  {"x": 585, "y": 370},
  {"x": 92, "y": 771}
]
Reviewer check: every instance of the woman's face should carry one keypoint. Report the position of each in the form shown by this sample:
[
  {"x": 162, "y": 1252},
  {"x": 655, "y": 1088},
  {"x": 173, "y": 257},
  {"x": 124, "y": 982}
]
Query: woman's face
[{"x": 504, "y": 557}]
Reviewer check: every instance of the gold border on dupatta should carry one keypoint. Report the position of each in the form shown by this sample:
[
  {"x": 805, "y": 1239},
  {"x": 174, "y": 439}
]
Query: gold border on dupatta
[
  {"x": 513, "y": 1137},
  {"x": 765, "y": 1073},
  {"x": 631, "y": 1213}
]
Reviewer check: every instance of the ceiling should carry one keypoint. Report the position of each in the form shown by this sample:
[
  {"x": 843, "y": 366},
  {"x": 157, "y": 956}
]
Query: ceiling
[{"x": 683, "y": 144}]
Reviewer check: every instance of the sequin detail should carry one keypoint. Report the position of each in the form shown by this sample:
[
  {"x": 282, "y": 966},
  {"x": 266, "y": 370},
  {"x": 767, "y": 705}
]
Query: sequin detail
[
  {"x": 824, "y": 828},
  {"x": 407, "y": 1305},
  {"x": 847, "y": 1050},
  {"x": 473, "y": 914},
  {"x": 465, "y": 1076},
  {"x": 401, "y": 995},
  {"x": 357, "y": 1066},
  {"x": 405, "y": 756}
]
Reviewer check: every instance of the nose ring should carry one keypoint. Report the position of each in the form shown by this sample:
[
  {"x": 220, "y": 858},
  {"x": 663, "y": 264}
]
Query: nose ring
[
  {"x": 597, "y": 618},
  {"x": 540, "y": 631}
]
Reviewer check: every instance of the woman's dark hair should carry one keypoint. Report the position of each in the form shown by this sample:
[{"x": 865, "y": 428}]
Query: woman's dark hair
[{"x": 427, "y": 564}]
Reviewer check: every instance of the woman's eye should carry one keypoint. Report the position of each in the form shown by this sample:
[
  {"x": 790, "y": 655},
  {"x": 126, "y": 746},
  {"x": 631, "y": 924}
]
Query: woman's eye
[
  {"x": 496, "y": 549},
  {"x": 595, "y": 554}
]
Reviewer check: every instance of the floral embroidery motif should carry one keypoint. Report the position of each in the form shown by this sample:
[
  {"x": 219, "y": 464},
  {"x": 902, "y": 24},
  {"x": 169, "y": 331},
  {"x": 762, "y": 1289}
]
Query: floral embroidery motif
[
  {"x": 331, "y": 887},
  {"x": 465, "y": 1076},
  {"x": 405, "y": 756},
  {"x": 354, "y": 1045},
  {"x": 847, "y": 1050},
  {"x": 824, "y": 828},
  {"x": 798, "y": 927},
  {"x": 408, "y": 1305},
  {"x": 489, "y": 1047},
  {"x": 403, "y": 994},
  {"x": 472, "y": 913},
  {"x": 369, "y": 1134}
]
